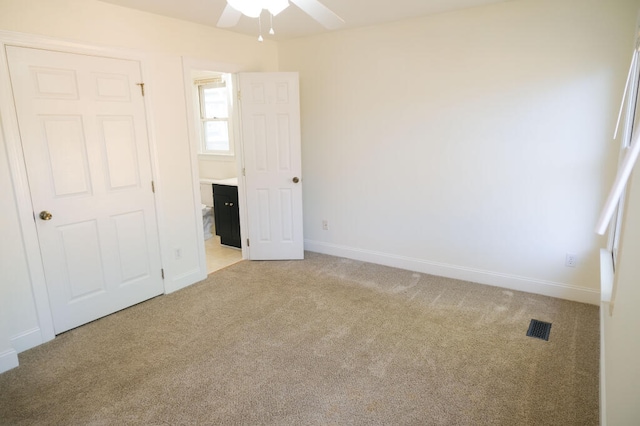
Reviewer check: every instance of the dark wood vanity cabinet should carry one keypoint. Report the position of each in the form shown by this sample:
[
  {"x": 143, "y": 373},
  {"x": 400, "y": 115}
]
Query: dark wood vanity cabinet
[{"x": 226, "y": 214}]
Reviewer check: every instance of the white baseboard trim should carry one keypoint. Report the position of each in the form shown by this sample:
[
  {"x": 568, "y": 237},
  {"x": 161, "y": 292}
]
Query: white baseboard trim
[
  {"x": 8, "y": 360},
  {"x": 512, "y": 282},
  {"x": 27, "y": 340},
  {"x": 184, "y": 280}
]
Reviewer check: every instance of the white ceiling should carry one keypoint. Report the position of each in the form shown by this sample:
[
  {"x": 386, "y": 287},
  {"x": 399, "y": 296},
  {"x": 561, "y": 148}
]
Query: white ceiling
[{"x": 292, "y": 22}]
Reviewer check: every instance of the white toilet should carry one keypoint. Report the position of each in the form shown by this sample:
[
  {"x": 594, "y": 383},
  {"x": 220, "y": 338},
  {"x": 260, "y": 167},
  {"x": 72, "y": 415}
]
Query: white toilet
[
  {"x": 207, "y": 221},
  {"x": 206, "y": 198}
]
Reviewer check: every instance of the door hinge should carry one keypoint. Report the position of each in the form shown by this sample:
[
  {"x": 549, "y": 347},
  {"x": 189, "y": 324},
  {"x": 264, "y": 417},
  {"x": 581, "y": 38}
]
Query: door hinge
[
  {"x": 153, "y": 187},
  {"x": 244, "y": 172},
  {"x": 162, "y": 273},
  {"x": 239, "y": 95},
  {"x": 248, "y": 243},
  {"x": 141, "y": 87}
]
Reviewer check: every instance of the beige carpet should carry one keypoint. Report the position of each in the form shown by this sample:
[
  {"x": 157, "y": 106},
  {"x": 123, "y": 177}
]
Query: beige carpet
[{"x": 315, "y": 342}]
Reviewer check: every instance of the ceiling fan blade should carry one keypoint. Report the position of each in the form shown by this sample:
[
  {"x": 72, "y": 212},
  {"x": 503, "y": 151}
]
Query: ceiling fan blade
[
  {"x": 321, "y": 13},
  {"x": 229, "y": 17}
]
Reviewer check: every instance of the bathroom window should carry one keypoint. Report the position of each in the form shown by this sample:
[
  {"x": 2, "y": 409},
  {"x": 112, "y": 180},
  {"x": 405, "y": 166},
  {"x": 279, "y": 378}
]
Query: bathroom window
[{"x": 215, "y": 105}]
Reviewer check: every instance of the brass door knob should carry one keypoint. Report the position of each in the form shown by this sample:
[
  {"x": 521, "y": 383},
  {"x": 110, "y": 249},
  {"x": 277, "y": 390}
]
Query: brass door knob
[
  {"x": 45, "y": 215},
  {"x": 296, "y": 180}
]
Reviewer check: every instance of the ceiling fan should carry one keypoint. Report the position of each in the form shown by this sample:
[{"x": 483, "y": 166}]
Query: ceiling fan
[{"x": 253, "y": 8}]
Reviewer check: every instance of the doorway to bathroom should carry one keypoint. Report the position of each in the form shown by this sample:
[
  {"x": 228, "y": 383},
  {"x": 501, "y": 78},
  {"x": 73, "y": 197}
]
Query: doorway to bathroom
[
  {"x": 211, "y": 121},
  {"x": 220, "y": 218},
  {"x": 244, "y": 129}
]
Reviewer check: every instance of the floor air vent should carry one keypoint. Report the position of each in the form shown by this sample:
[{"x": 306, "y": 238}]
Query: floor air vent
[{"x": 539, "y": 329}]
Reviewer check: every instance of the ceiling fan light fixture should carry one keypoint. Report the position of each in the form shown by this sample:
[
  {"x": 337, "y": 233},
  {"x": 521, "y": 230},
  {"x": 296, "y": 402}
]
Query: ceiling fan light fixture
[
  {"x": 250, "y": 8},
  {"x": 276, "y": 6},
  {"x": 253, "y": 8}
]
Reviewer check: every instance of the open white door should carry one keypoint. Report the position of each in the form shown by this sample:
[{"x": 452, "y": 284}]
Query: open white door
[
  {"x": 84, "y": 136},
  {"x": 270, "y": 127}
]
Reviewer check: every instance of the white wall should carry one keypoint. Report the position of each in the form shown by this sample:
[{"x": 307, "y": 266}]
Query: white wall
[
  {"x": 472, "y": 144},
  {"x": 622, "y": 324},
  {"x": 216, "y": 168},
  {"x": 161, "y": 42}
]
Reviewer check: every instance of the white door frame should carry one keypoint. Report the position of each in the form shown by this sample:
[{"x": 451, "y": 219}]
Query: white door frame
[
  {"x": 193, "y": 64},
  {"x": 17, "y": 166}
]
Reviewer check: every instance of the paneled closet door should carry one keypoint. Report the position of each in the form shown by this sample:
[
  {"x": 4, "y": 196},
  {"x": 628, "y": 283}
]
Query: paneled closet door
[{"x": 84, "y": 136}]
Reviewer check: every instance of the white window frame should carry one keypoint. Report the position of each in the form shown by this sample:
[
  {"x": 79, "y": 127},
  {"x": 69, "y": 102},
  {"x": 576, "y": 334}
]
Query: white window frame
[
  {"x": 630, "y": 126},
  {"x": 199, "y": 86}
]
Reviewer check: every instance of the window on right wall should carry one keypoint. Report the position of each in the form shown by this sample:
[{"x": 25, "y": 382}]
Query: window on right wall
[{"x": 630, "y": 116}]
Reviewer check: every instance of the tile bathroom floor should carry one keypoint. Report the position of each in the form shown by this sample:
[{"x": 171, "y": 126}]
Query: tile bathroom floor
[{"x": 219, "y": 256}]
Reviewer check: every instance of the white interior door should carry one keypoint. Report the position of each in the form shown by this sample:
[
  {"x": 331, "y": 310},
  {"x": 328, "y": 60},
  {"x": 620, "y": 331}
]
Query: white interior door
[
  {"x": 270, "y": 126},
  {"x": 83, "y": 130}
]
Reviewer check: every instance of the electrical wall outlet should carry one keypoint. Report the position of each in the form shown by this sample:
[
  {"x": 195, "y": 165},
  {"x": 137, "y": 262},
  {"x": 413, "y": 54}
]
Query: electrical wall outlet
[
  {"x": 570, "y": 260},
  {"x": 325, "y": 225}
]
